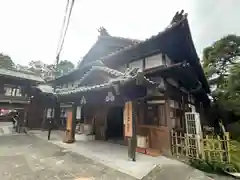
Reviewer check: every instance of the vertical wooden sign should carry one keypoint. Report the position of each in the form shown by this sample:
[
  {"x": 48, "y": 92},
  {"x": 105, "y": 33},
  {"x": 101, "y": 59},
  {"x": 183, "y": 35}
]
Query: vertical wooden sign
[
  {"x": 128, "y": 119},
  {"x": 69, "y": 120},
  {"x": 69, "y": 136}
]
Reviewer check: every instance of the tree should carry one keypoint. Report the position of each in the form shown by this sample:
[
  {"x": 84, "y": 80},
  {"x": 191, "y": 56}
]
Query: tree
[
  {"x": 232, "y": 96},
  {"x": 41, "y": 69},
  {"x": 219, "y": 57},
  {"x": 47, "y": 71},
  {"x": 65, "y": 66},
  {"x": 221, "y": 63},
  {"x": 6, "y": 61}
]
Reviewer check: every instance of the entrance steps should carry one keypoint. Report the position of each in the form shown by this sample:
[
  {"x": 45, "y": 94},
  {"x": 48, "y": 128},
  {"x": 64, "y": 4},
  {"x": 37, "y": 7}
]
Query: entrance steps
[{"x": 84, "y": 137}]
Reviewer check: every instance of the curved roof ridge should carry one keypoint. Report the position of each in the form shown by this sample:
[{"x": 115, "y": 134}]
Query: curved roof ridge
[
  {"x": 172, "y": 25},
  {"x": 123, "y": 38},
  {"x": 102, "y": 68}
]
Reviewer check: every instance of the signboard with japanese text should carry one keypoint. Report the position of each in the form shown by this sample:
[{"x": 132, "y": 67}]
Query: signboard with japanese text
[
  {"x": 128, "y": 119},
  {"x": 78, "y": 113},
  {"x": 69, "y": 120}
]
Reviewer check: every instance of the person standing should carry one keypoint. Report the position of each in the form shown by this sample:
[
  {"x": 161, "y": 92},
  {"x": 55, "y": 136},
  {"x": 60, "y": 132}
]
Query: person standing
[
  {"x": 50, "y": 120},
  {"x": 16, "y": 121},
  {"x": 50, "y": 126}
]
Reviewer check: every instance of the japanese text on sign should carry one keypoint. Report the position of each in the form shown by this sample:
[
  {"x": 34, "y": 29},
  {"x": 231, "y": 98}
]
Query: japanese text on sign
[{"x": 128, "y": 119}]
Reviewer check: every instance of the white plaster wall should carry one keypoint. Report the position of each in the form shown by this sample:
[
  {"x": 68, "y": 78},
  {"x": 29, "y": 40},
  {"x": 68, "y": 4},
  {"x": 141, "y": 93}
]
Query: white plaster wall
[
  {"x": 137, "y": 64},
  {"x": 153, "y": 61}
]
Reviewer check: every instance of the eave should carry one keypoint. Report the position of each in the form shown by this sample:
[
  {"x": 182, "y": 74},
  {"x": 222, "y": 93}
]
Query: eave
[{"x": 182, "y": 73}]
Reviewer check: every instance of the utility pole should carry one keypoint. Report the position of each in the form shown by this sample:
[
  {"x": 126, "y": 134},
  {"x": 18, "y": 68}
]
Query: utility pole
[
  {"x": 70, "y": 133},
  {"x": 67, "y": 16}
]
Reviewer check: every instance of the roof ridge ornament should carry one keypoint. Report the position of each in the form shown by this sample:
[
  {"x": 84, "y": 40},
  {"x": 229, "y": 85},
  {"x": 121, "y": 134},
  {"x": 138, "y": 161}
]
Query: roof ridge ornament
[
  {"x": 103, "y": 31},
  {"x": 179, "y": 16}
]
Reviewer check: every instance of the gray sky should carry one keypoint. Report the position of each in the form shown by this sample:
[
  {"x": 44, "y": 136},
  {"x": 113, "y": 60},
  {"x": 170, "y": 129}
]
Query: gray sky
[{"x": 30, "y": 28}]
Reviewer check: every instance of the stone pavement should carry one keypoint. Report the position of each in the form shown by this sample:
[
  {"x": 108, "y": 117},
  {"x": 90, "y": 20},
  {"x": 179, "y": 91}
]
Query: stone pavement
[
  {"x": 159, "y": 168},
  {"x": 182, "y": 173},
  {"x": 28, "y": 157},
  {"x": 25, "y": 157},
  {"x": 111, "y": 155}
]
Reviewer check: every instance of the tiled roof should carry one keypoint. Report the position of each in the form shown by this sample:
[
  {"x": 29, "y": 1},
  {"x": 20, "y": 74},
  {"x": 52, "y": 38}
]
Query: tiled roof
[
  {"x": 85, "y": 66},
  {"x": 102, "y": 47},
  {"x": 21, "y": 75},
  {"x": 125, "y": 45},
  {"x": 130, "y": 46},
  {"x": 104, "y": 69},
  {"x": 106, "y": 45},
  {"x": 175, "y": 40},
  {"x": 120, "y": 77}
]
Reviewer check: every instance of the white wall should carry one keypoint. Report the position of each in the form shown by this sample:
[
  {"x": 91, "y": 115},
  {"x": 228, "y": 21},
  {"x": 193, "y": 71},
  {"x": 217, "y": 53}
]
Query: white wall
[
  {"x": 153, "y": 61},
  {"x": 150, "y": 62}
]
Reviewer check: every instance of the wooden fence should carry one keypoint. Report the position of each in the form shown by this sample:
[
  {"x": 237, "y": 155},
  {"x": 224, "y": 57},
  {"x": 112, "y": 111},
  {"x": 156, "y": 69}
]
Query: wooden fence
[{"x": 212, "y": 148}]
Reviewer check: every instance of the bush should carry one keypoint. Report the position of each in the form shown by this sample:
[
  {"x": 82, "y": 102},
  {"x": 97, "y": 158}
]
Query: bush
[{"x": 213, "y": 167}]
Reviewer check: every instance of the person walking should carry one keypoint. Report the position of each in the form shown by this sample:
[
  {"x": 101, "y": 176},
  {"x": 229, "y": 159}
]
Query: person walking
[
  {"x": 15, "y": 120},
  {"x": 18, "y": 125}
]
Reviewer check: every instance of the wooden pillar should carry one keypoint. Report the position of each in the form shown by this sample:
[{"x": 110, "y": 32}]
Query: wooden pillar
[
  {"x": 25, "y": 117},
  {"x": 71, "y": 125},
  {"x": 183, "y": 111},
  {"x": 78, "y": 118},
  {"x": 130, "y": 128},
  {"x": 168, "y": 117},
  {"x": 57, "y": 112}
]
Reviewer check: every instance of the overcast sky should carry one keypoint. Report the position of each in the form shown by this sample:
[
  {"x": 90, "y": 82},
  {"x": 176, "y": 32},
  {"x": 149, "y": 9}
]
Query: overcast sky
[{"x": 30, "y": 29}]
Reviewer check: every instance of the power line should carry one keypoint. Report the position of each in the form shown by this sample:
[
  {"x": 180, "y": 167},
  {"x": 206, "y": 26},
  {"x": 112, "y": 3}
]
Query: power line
[{"x": 65, "y": 25}]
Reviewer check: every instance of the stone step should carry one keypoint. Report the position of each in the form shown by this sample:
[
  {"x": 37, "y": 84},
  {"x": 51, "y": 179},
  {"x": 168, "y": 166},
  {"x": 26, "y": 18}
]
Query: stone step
[{"x": 4, "y": 130}]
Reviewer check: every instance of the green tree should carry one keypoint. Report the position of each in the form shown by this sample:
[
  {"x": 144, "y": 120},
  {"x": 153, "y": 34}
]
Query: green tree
[
  {"x": 64, "y": 67},
  {"x": 232, "y": 96},
  {"x": 219, "y": 57},
  {"x": 222, "y": 68},
  {"x": 6, "y": 61}
]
